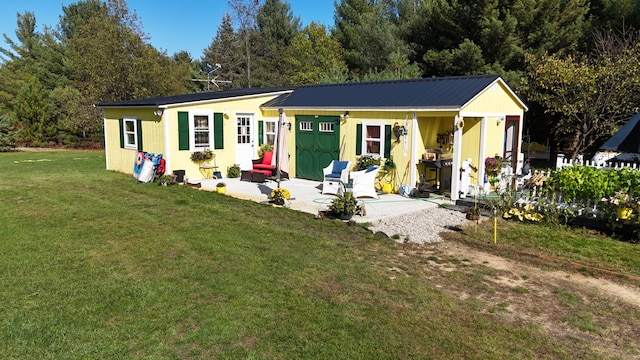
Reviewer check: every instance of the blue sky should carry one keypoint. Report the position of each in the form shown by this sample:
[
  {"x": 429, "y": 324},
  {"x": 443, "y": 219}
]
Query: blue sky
[{"x": 172, "y": 25}]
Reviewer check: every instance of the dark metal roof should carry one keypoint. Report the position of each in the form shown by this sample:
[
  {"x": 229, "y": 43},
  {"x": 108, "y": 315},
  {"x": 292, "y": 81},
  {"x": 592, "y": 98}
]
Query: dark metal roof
[
  {"x": 627, "y": 139},
  {"x": 188, "y": 98},
  {"x": 436, "y": 93},
  {"x": 428, "y": 93}
]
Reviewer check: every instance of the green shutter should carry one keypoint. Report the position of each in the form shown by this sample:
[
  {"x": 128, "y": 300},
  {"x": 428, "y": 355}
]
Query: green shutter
[
  {"x": 359, "y": 139},
  {"x": 139, "y": 134},
  {"x": 183, "y": 130},
  {"x": 121, "y": 121},
  {"x": 218, "y": 131},
  {"x": 387, "y": 141},
  {"x": 260, "y": 132}
]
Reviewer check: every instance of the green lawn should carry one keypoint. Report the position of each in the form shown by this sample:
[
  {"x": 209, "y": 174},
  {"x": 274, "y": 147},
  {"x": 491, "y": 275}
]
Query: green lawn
[{"x": 96, "y": 266}]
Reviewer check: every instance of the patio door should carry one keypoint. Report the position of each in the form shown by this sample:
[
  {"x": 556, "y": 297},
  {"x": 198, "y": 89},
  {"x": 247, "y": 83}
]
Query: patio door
[
  {"x": 245, "y": 150},
  {"x": 317, "y": 143},
  {"x": 511, "y": 131}
]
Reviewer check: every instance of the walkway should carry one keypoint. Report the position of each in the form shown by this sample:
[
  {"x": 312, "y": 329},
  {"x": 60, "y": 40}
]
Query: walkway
[{"x": 307, "y": 196}]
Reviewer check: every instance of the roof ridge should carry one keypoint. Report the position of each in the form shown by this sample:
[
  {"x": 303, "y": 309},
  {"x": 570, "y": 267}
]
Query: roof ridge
[{"x": 397, "y": 81}]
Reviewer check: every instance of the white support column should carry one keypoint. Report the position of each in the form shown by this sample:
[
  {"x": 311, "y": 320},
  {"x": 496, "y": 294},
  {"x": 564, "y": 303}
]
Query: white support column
[
  {"x": 457, "y": 163},
  {"x": 483, "y": 146},
  {"x": 106, "y": 144},
  {"x": 415, "y": 132},
  {"x": 167, "y": 145}
]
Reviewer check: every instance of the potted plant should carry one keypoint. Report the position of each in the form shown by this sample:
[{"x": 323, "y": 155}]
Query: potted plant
[
  {"x": 279, "y": 195},
  {"x": 201, "y": 156},
  {"x": 622, "y": 203},
  {"x": 492, "y": 168},
  {"x": 166, "y": 180},
  {"x": 221, "y": 188},
  {"x": 233, "y": 171},
  {"x": 399, "y": 130},
  {"x": 366, "y": 161},
  {"x": 472, "y": 213},
  {"x": 344, "y": 206},
  {"x": 263, "y": 148}
]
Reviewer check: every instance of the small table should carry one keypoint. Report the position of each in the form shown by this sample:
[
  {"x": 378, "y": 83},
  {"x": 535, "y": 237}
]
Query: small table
[{"x": 208, "y": 170}]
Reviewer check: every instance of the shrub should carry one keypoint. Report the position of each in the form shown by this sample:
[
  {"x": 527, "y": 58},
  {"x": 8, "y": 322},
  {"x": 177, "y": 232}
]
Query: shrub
[{"x": 233, "y": 171}]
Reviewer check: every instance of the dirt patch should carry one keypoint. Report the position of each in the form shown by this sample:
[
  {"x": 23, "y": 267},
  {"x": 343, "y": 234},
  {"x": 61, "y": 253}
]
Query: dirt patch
[{"x": 595, "y": 314}]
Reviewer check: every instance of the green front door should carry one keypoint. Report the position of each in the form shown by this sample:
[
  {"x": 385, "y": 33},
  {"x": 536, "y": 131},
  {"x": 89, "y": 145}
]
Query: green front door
[{"x": 317, "y": 143}]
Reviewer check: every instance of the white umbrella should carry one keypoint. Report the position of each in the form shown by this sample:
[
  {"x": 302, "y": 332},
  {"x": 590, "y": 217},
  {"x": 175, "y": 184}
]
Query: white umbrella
[{"x": 282, "y": 153}]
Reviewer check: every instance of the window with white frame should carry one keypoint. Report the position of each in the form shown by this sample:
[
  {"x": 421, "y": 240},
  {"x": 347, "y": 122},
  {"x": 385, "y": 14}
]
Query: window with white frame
[
  {"x": 130, "y": 134},
  {"x": 270, "y": 132},
  {"x": 201, "y": 128},
  {"x": 373, "y": 138}
]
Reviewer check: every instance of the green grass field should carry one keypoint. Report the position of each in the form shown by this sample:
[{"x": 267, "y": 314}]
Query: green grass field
[{"x": 96, "y": 266}]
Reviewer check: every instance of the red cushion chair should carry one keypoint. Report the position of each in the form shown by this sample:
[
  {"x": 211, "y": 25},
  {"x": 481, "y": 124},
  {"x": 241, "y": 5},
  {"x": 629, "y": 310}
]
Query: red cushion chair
[{"x": 264, "y": 164}]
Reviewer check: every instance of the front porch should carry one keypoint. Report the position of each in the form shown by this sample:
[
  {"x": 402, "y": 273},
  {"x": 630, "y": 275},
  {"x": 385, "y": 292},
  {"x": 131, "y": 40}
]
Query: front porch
[{"x": 306, "y": 196}]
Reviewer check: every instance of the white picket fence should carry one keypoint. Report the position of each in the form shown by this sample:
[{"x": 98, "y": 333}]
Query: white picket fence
[{"x": 602, "y": 163}]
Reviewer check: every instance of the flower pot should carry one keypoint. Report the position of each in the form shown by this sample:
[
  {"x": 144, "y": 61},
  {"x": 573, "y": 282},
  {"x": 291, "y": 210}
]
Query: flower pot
[
  {"x": 472, "y": 216},
  {"x": 387, "y": 188},
  {"x": 221, "y": 189},
  {"x": 624, "y": 213},
  {"x": 345, "y": 216}
]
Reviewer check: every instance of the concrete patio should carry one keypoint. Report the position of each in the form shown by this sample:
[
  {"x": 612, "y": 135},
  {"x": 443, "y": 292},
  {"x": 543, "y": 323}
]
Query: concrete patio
[{"x": 306, "y": 196}]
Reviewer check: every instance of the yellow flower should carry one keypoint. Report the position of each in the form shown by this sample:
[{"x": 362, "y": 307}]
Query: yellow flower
[{"x": 281, "y": 193}]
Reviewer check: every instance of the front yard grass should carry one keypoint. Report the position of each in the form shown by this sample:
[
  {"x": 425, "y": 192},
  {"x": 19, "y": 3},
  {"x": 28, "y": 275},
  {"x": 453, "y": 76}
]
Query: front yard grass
[{"x": 96, "y": 266}]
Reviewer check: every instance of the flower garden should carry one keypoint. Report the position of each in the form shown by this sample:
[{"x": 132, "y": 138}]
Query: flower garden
[{"x": 601, "y": 199}]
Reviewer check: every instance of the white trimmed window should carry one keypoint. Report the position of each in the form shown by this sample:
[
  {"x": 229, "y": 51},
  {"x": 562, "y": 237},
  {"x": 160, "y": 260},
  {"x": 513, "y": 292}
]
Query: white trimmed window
[
  {"x": 130, "y": 133},
  {"x": 373, "y": 138},
  {"x": 201, "y": 130},
  {"x": 270, "y": 132}
]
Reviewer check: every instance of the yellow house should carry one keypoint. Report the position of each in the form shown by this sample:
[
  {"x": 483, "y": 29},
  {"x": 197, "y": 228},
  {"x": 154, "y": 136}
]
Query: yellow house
[{"x": 438, "y": 131}]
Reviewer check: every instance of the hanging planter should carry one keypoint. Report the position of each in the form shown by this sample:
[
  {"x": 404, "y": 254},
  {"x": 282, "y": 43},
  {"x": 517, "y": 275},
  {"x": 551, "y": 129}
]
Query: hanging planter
[{"x": 399, "y": 131}]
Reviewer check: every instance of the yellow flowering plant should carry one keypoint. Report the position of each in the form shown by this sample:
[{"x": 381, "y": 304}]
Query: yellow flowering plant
[
  {"x": 279, "y": 195},
  {"x": 528, "y": 212}
]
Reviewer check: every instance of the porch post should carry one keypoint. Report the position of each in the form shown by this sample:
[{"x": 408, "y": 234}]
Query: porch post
[
  {"x": 413, "y": 174},
  {"x": 455, "y": 167},
  {"x": 483, "y": 144}
]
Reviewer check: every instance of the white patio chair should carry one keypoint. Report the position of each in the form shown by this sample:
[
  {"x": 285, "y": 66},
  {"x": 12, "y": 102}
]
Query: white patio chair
[
  {"x": 364, "y": 181},
  {"x": 335, "y": 176}
]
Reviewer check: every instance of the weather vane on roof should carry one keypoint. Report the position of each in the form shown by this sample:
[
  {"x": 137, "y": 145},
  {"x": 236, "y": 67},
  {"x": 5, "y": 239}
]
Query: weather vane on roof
[{"x": 214, "y": 81}]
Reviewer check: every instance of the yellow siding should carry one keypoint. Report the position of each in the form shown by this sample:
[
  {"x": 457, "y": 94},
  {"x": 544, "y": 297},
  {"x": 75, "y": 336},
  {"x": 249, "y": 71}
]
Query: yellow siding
[
  {"x": 122, "y": 160},
  {"x": 153, "y": 128},
  {"x": 495, "y": 100},
  {"x": 224, "y": 157}
]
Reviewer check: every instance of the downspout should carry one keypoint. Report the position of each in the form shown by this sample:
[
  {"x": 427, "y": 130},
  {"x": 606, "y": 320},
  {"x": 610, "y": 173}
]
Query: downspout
[
  {"x": 414, "y": 151},
  {"x": 455, "y": 166}
]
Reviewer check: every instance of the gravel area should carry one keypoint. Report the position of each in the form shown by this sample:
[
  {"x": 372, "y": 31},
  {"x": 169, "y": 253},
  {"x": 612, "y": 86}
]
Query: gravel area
[{"x": 420, "y": 227}]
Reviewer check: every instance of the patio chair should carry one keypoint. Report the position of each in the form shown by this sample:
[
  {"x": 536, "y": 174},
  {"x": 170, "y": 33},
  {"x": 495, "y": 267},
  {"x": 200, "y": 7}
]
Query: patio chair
[
  {"x": 363, "y": 182},
  {"x": 335, "y": 176}
]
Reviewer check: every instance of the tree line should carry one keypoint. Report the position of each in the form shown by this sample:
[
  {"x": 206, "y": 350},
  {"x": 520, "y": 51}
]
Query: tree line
[{"x": 575, "y": 62}]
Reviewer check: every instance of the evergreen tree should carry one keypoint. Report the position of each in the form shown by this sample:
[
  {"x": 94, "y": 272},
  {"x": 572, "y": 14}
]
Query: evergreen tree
[
  {"x": 7, "y": 133},
  {"x": 368, "y": 32},
  {"x": 312, "y": 56},
  {"x": 33, "y": 111},
  {"x": 277, "y": 27},
  {"x": 226, "y": 50}
]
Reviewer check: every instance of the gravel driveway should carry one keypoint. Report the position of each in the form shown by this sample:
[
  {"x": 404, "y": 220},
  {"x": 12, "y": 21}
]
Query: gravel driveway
[{"x": 420, "y": 226}]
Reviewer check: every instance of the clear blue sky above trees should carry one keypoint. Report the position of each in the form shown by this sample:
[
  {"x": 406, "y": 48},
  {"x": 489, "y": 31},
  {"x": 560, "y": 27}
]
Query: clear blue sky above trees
[{"x": 172, "y": 25}]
